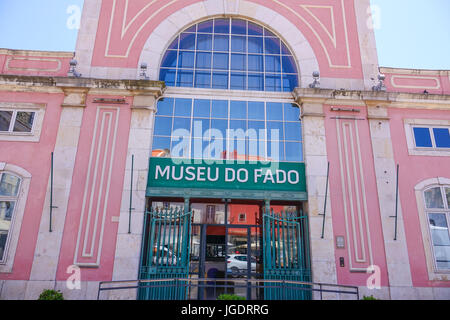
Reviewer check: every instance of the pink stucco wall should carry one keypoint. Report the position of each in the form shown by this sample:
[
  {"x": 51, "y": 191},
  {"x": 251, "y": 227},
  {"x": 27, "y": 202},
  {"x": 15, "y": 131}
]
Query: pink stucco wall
[
  {"x": 354, "y": 196},
  {"x": 35, "y": 157},
  {"x": 102, "y": 147},
  {"x": 413, "y": 170},
  {"x": 45, "y": 64}
]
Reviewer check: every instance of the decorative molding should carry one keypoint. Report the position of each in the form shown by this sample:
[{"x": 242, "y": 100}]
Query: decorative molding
[
  {"x": 96, "y": 194},
  {"x": 356, "y": 223},
  {"x": 58, "y": 62}
]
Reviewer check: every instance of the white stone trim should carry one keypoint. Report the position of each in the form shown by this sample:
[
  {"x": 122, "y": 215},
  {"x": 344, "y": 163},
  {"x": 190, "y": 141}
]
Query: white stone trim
[{"x": 16, "y": 223}]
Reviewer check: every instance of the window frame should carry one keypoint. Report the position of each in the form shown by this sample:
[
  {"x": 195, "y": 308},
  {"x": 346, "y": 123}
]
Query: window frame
[
  {"x": 413, "y": 150},
  {"x": 434, "y": 274},
  {"x": 445, "y": 210},
  {"x": 14, "y": 199},
  {"x": 36, "y": 129},
  {"x": 13, "y": 121},
  {"x": 284, "y": 51}
]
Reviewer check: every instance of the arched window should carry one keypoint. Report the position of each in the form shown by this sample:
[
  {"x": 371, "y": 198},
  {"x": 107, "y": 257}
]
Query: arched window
[
  {"x": 229, "y": 53},
  {"x": 9, "y": 193},
  {"x": 437, "y": 208}
]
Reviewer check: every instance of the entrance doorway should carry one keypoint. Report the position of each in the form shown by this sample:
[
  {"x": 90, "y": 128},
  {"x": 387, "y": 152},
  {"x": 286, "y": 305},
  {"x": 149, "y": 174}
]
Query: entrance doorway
[{"x": 226, "y": 245}]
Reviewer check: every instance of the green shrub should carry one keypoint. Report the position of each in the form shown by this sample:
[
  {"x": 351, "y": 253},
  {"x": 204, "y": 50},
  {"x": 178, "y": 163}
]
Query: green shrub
[
  {"x": 230, "y": 297},
  {"x": 51, "y": 295},
  {"x": 369, "y": 298}
]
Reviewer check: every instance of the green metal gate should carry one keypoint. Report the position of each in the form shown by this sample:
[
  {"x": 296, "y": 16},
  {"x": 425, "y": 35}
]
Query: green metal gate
[
  {"x": 286, "y": 255},
  {"x": 165, "y": 253}
]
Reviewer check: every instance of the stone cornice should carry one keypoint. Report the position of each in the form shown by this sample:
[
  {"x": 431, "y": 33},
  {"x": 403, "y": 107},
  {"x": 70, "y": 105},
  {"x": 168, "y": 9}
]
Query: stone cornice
[
  {"x": 371, "y": 98},
  {"x": 89, "y": 85}
]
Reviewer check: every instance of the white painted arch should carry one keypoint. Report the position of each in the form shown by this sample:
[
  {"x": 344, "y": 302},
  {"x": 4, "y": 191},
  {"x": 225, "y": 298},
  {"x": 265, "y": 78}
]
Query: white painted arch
[{"x": 163, "y": 35}]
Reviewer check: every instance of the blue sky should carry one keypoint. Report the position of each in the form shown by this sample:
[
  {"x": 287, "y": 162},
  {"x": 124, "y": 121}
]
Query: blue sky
[{"x": 409, "y": 33}]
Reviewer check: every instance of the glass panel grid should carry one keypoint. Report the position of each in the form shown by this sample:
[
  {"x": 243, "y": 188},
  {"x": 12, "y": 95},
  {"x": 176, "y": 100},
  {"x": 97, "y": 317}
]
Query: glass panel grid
[
  {"x": 249, "y": 118},
  {"x": 262, "y": 60}
]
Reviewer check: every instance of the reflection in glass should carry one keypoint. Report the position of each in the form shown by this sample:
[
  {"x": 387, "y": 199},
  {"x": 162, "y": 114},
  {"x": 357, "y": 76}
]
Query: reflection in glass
[
  {"x": 441, "y": 239},
  {"x": 5, "y": 120},
  {"x": 433, "y": 198},
  {"x": 9, "y": 185}
]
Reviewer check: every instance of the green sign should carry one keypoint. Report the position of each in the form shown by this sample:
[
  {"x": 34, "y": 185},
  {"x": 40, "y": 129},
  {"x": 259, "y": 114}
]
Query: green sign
[{"x": 230, "y": 175}]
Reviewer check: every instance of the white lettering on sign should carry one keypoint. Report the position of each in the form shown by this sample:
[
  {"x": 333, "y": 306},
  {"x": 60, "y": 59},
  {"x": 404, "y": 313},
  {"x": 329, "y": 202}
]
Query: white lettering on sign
[
  {"x": 227, "y": 175},
  {"x": 239, "y": 176},
  {"x": 203, "y": 174},
  {"x": 296, "y": 177}
]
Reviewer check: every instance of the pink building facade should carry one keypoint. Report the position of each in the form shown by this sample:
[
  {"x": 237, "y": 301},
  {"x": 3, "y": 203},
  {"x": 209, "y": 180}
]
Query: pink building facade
[{"x": 376, "y": 153}]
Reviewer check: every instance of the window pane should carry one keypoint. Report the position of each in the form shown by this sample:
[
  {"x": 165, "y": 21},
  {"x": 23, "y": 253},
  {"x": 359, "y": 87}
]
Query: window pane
[
  {"x": 290, "y": 82},
  {"x": 174, "y": 44},
  {"x": 238, "y": 62},
  {"x": 221, "y": 126},
  {"x": 257, "y": 126},
  {"x": 255, "y": 63},
  {"x": 238, "y": 110},
  {"x": 442, "y": 137},
  {"x": 219, "y": 109},
  {"x": 447, "y": 191},
  {"x": 274, "y": 111},
  {"x": 204, "y": 42},
  {"x": 293, "y": 131},
  {"x": 165, "y": 107},
  {"x": 237, "y": 81},
  {"x": 422, "y": 137},
  {"x": 181, "y": 123},
  {"x": 238, "y": 26},
  {"x": 294, "y": 151},
  {"x": 238, "y": 44},
  {"x": 185, "y": 78},
  {"x": 220, "y": 61},
  {"x": 221, "y": 43},
  {"x": 273, "y": 64},
  {"x": 291, "y": 112},
  {"x": 170, "y": 59},
  {"x": 255, "y": 45},
  {"x": 238, "y": 124},
  {"x": 275, "y": 130},
  {"x": 221, "y": 26},
  {"x": 160, "y": 144},
  {"x": 163, "y": 126},
  {"x": 273, "y": 82},
  {"x": 187, "y": 41},
  {"x": 168, "y": 76},
  {"x": 220, "y": 80},
  {"x": 289, "y": 65},
  {"x": 272, "y": 45},
  {"x": 5, "y": 120},
  {"x": 441, "y": 239},
  {"x": 6, "y": 212},
  {"x": 9, "y": 185},
  {"x": 24, "y": 122},
  {"x": 254, "y": 29},
  {"x": 433, "y": 198},
  {"x": 256, "y": 110},
  {"x": 256, "y": 81},
  {"x": 275, "y": 150},
  {"x": 202, "y": 108},
  {"x": 199, "y": 127},
  {"x": 186, "y": 59},
  {"x": 183, "y": 107},
  {"x": 203, "y": 60},
  {"x": 206, "y": 26},
  {"x": 202, "y": 79}
]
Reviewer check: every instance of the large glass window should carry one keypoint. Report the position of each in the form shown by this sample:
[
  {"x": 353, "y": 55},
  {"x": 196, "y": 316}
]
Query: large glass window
[
  {"x": 229, "y": 54},
  {"x": 15, "y": 121},
  {"x": 9, "y": 192},
  {"x": 228, "y": 129},
  {"x": 437, "y": 204}
]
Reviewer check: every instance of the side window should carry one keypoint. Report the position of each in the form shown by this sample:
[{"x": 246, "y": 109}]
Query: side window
[
  {"x": 437, "y": 208},
  {"x": 16, "y": 121},
  {"x": 9, "y": 192},
  {"x": 432, "y": 137}
]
